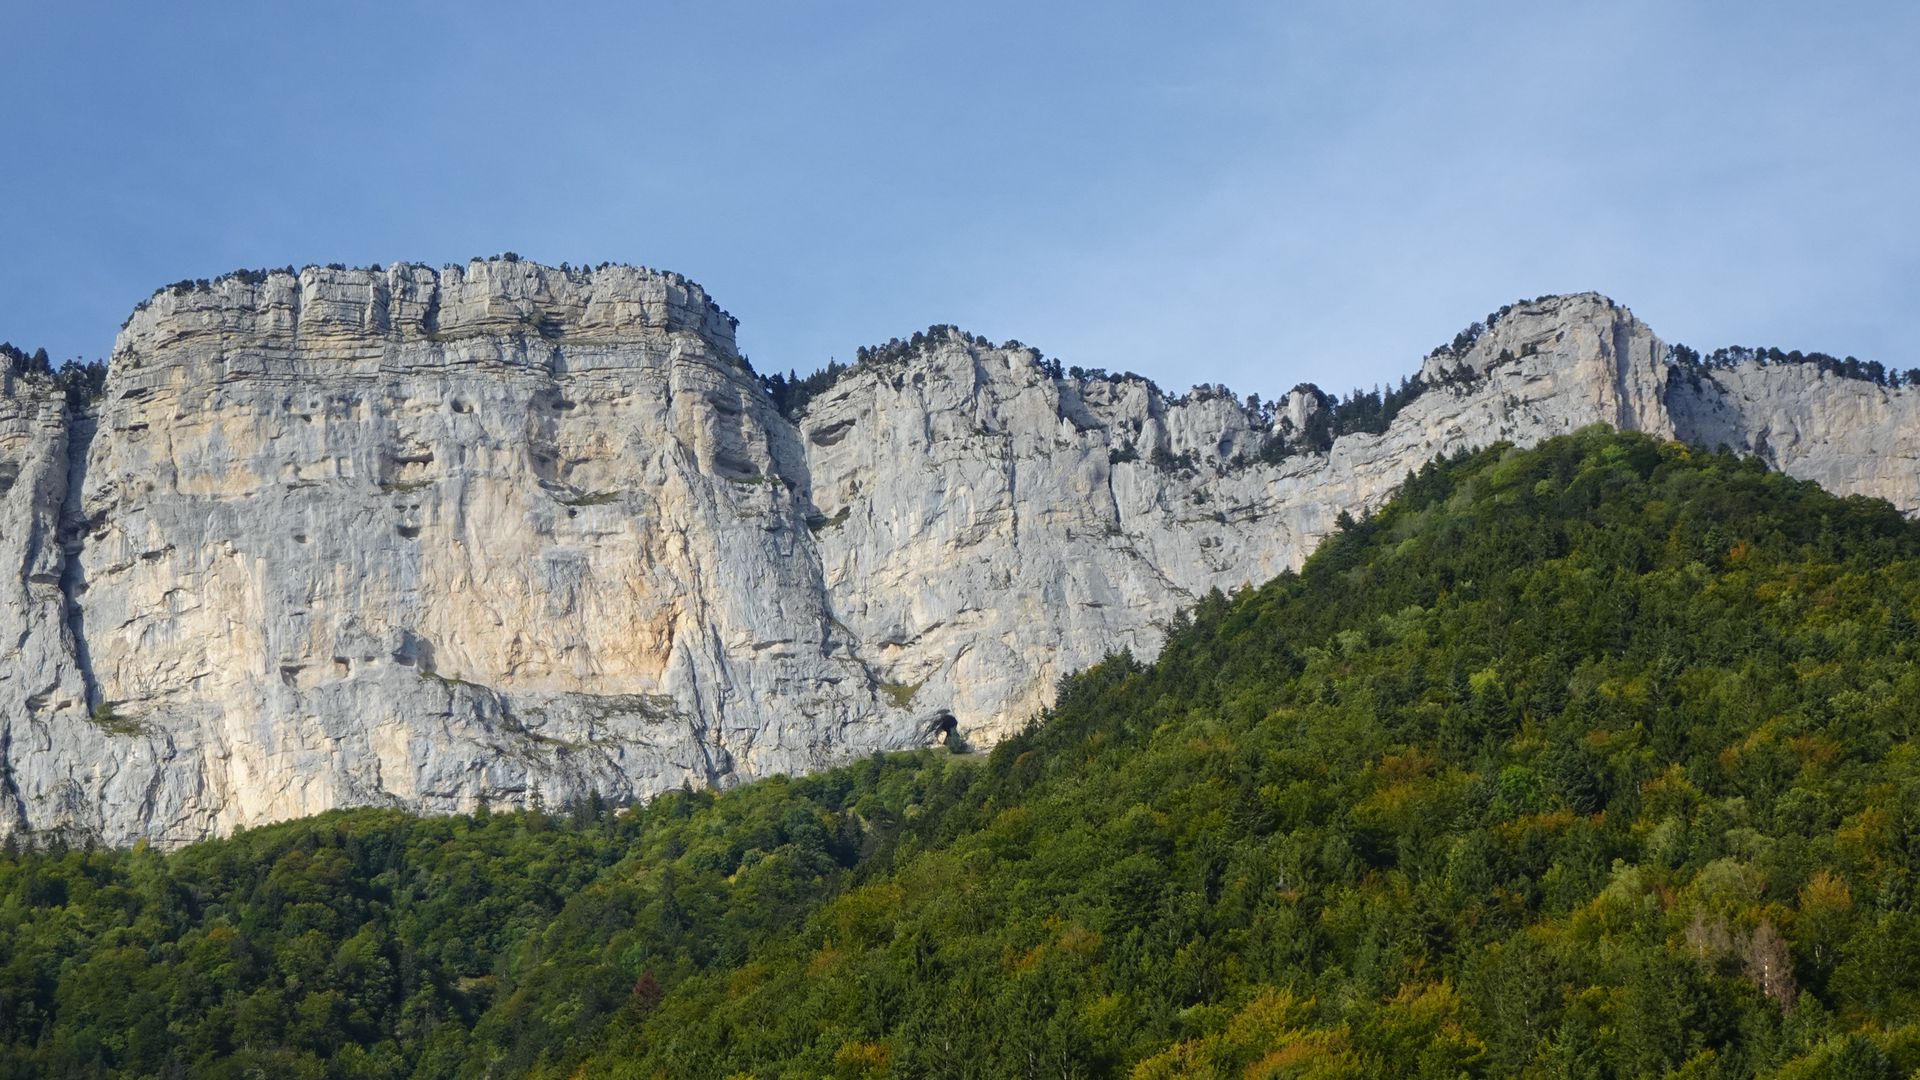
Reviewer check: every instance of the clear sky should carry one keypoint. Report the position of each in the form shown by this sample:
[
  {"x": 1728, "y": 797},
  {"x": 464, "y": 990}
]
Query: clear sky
[{"x": 1256, "y": 194}]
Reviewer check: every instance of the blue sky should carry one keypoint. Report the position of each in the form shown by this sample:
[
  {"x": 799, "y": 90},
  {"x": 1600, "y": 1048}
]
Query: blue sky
[{"x": 1256, "y": 194}]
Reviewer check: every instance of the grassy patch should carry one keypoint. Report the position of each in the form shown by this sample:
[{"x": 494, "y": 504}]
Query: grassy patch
[
  {"x": 837, "y": 519},
  {"x": 104, "y": 718},
  {"x": 902, "y": 693}
]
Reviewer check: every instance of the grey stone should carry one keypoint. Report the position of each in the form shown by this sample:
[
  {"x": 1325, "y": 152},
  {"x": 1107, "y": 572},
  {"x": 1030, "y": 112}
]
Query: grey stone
[{"x": 419, "y": 538}]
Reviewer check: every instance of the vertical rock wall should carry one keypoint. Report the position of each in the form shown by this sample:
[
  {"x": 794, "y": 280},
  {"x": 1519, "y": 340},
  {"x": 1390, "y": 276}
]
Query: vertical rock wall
[{"x": 417, "y": 538}]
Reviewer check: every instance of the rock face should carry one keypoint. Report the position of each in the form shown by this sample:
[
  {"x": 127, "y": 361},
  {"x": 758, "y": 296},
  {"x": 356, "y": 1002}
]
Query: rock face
[{"x": 500, "y": 531}]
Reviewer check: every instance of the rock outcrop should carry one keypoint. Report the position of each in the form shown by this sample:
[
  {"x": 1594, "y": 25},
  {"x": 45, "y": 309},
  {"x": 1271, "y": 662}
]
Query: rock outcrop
[{"x": 512, "y": 533}]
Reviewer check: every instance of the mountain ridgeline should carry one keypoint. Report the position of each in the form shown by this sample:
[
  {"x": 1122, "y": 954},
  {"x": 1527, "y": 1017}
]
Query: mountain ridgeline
[
  {"x": 1591, "y": 760},
  {"x": 420, "y": 538}
]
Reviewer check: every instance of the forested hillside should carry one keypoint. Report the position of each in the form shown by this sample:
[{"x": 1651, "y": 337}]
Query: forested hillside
[{"x": 1594, "y": 760}]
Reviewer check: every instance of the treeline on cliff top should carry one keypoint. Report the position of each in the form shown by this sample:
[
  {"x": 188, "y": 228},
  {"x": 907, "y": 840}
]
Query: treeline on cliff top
[
  {"x": 82, "y": 380},
  {"x": 1361, "y": 411},
  {"x": 1593, "y": 760}
]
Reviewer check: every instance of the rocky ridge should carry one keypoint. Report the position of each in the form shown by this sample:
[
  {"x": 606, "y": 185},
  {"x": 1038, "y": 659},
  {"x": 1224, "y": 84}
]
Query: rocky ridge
[{"x": 426, "y": 537}]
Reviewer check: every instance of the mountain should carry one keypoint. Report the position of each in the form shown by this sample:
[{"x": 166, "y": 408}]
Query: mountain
[
  {"x": 504, "y": 532},
  {"x": 1590, "y": 760}
]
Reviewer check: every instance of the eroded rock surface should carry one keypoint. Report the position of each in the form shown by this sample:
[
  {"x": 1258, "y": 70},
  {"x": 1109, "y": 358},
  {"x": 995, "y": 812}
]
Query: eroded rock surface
[{"x": 501, "y": 531}]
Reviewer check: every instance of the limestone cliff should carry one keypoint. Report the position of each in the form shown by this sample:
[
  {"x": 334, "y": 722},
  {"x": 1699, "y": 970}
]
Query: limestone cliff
[{"x": 503, "y": 531}]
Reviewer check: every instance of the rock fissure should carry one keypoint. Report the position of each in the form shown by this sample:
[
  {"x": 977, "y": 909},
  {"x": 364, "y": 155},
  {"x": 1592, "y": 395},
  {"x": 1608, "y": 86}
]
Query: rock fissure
[{"x": 82, "y": 426}]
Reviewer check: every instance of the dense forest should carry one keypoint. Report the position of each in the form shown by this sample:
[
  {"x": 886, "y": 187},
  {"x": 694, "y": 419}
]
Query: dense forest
[{"x": 1594, "y": 760}]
